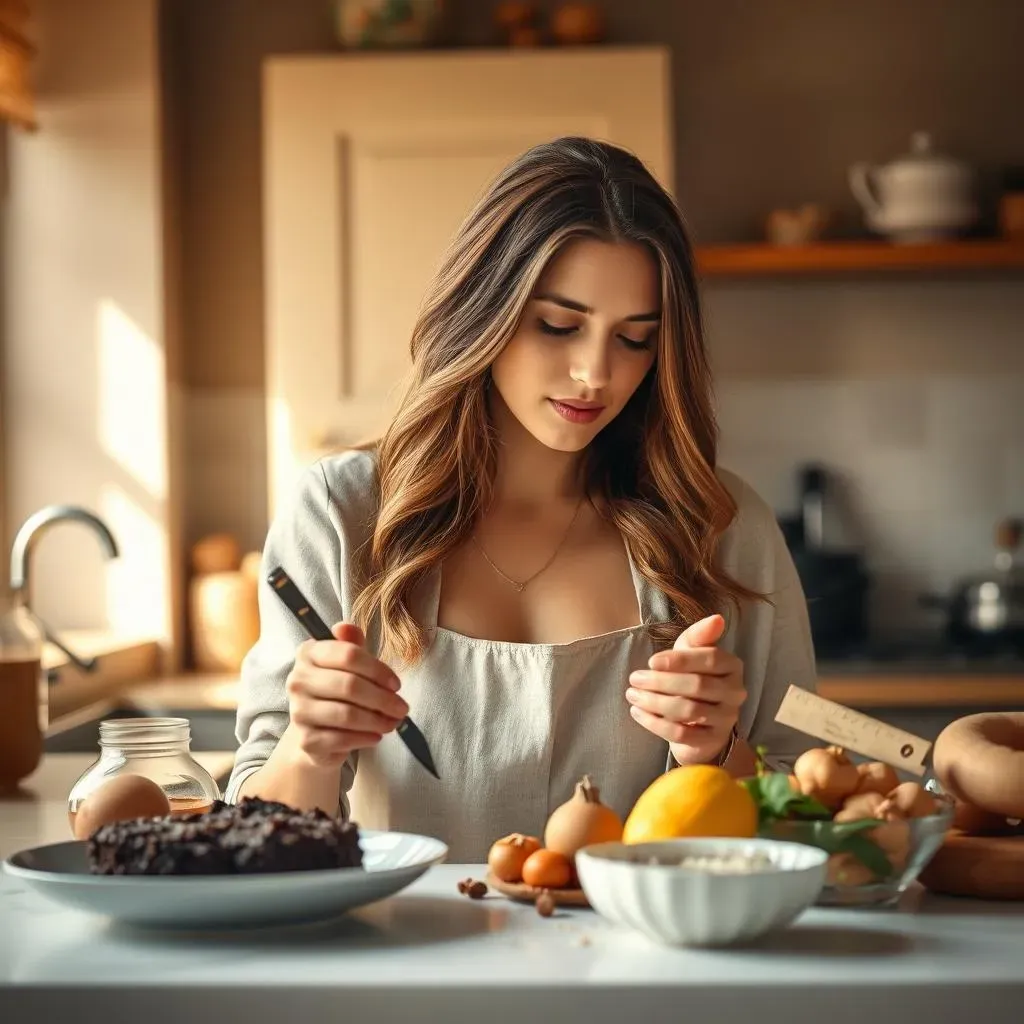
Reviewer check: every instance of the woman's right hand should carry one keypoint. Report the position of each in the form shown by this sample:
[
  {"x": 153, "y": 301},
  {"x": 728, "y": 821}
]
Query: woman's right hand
[{"x": 340, "y": 697}]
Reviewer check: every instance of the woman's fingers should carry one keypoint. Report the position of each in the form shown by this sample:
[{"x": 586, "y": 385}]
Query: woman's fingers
[
  {"x": 343, "y": 656},
  {"x": 674, "y": 732},
  {"x": 340, "y": 697},
  {"x": 332, "y": 714},
  {"x": 706, "y": 689},
  {"x": 711, "y": 661},
  {"x": 345, "y": 688},
  {"x": 677, "y": 709}
]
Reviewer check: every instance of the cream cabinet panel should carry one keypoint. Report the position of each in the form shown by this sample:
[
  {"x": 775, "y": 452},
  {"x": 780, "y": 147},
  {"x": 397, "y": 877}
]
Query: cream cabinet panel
[{"x": 370, "y": 164}]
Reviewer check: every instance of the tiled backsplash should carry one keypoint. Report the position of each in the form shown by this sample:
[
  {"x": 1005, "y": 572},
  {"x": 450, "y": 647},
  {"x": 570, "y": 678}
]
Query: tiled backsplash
[{"x": 921, "y": 469}]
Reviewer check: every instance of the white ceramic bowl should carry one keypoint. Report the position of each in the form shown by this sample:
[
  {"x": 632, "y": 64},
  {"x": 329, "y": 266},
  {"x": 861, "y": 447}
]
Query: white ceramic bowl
[{"x": 685, "y": 906}]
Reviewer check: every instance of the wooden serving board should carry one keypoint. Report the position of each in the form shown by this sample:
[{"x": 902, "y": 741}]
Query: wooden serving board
[
  {"x": 523, "y": 893},
  {"x": 985, "y": 867}
]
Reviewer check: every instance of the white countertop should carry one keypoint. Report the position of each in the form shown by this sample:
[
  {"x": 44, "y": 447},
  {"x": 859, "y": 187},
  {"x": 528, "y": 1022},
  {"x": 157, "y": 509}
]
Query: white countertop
[{"x": 430, "y": 955}]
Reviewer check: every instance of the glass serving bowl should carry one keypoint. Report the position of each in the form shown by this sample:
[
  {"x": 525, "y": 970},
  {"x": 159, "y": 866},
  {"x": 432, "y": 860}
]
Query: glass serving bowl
[{"x": 926, "y": 836}]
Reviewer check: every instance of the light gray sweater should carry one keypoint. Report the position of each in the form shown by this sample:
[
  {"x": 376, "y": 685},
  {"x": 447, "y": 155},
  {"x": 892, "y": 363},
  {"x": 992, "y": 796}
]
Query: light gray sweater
[{"x": 511, "y": 726}]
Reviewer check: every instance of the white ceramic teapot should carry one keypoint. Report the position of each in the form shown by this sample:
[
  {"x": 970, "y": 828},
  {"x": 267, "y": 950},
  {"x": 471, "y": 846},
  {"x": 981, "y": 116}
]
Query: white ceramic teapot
[{"x": 921, "y": 197}]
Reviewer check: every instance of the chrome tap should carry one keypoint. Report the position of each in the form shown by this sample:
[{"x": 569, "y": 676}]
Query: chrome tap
[{"x": 21, "y": 550}]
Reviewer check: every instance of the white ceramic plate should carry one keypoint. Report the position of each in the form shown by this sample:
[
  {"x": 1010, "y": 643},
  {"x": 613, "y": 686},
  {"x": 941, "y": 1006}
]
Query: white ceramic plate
[{"x": 391, "y": 861}]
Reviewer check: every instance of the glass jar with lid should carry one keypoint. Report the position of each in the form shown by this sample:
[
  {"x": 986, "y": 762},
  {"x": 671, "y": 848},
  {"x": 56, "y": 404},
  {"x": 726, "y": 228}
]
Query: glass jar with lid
[{"x": 157, "y": 748}]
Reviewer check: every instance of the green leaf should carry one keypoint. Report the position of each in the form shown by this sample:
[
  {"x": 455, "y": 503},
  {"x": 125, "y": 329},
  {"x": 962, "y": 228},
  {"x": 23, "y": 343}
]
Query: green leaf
[
  {"x": 833, "y": 837},
  {"x": 808, "y": 807},
  {"x": 776, "y": 799},
  {"x": 869, "y": 853},
  {"x": 753, "y": 786}
]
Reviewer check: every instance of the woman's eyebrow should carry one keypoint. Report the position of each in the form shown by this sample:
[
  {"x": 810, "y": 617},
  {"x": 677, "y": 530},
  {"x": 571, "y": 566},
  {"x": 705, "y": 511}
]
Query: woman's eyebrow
[{"x": 578, "y": 307}]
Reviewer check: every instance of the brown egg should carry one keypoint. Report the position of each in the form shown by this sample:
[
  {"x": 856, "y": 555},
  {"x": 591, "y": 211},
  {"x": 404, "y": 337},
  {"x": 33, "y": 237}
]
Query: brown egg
[{"x": 122, "y": 798}]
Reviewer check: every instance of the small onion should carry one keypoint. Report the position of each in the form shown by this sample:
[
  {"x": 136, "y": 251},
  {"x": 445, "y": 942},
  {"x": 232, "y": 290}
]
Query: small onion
[
  {"x": 508, "y": 855},
  {"x": 827, "y": 775},
  {"x": 581, "y": 821}
]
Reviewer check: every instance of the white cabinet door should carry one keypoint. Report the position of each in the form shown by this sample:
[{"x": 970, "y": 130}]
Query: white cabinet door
[{"x": 370, "y": 164}]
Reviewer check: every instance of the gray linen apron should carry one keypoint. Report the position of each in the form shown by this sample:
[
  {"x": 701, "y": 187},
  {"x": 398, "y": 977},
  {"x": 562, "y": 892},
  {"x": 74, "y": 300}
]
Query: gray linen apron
[{"x": 512, "y": 727}]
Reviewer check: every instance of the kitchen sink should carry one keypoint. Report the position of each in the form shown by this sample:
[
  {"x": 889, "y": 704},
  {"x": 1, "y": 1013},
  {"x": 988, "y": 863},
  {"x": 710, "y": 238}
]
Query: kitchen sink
[{"x": 212, "y": 729}]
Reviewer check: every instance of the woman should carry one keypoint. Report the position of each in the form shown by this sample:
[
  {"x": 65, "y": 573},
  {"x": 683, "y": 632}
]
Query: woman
[{"x": 539, "y": 561}]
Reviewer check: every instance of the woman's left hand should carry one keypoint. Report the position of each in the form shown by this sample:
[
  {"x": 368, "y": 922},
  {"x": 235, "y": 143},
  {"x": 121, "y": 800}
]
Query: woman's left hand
[{"x": 692, "y": 694}]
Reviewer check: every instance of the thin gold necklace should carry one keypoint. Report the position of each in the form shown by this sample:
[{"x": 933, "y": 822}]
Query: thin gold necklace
[{"x": 520, "y": 587}]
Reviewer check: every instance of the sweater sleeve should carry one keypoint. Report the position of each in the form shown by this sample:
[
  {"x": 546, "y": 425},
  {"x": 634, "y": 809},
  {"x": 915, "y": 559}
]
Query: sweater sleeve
[
  {"x": 308, "y": 540},
  {"x": 772, "y": 637}
]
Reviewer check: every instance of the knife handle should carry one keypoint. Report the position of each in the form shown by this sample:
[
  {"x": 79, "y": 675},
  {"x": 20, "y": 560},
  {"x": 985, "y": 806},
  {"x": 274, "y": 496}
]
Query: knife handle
[{"x": 290, "y": 594}]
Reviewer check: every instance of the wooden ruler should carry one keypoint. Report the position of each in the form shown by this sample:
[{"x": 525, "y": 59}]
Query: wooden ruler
[{"x": 825, "y": 720}]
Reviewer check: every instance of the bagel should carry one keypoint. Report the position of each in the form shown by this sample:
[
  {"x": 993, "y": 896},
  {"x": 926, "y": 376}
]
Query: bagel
[
  {"x": 980, "y": 759},
  {"x": 973, "y": 821},
  {"x": 987, "y": 868}
]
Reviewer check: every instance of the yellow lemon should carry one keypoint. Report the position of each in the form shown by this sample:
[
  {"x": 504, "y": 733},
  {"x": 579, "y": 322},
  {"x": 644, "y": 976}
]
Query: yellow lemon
[{"x": 691, "y": 802}]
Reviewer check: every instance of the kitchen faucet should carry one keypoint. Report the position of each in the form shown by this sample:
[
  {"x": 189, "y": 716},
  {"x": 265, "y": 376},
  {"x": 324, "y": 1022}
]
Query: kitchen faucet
[{"x": 26, "y": 539}]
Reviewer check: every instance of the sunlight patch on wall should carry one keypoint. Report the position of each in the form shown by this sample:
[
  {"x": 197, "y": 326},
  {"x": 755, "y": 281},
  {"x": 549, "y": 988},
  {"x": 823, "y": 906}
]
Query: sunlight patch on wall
[
  {"x": 132, "y": 420},
  {"x": 137, "y": 593},
  {"x": 131, "y": 424}
]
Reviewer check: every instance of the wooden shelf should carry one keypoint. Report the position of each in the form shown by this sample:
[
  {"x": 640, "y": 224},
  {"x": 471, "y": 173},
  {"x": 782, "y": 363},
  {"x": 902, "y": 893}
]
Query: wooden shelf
[
  {"x": 924, "y": 690},
  {"x": 836, "y": 258}
]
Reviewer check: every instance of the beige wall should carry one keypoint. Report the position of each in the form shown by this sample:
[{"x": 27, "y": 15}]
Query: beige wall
[
  {"x": 86, "y": 398},
  {"x": 773, "y": 101},
  {"x": 220, "y": 49}
]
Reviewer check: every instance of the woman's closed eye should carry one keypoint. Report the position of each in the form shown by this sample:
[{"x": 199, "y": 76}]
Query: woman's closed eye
[
  {"x": 558, "y": 332},
  {"x": 638, "y": 344}
]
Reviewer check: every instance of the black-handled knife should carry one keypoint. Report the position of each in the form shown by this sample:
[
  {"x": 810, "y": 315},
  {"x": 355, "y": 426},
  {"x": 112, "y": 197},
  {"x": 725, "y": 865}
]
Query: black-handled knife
[{"x": 283, "y": 585}]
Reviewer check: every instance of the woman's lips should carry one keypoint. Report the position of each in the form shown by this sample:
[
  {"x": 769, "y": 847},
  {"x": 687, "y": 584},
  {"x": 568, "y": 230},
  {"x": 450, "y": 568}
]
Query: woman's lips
[{"x": 577, "y": 413}]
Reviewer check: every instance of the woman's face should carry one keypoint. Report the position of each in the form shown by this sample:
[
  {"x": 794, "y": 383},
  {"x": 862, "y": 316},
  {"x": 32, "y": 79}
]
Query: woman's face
[{"x": 586, "y": 340}]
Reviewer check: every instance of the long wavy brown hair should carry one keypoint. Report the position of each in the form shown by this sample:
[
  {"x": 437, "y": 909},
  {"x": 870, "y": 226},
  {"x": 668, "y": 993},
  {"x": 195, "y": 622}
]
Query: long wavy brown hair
[{"x": 652, "y": 470}]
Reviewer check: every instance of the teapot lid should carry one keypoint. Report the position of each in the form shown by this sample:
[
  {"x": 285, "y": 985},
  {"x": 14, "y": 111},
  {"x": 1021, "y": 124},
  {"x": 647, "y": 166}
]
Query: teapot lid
[
  {"x": 923, "y": 151},
  {"x": 922, "y": 146}
]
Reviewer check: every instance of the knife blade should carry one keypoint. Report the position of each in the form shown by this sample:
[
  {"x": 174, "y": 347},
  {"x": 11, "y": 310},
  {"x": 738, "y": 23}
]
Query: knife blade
[{"x": 284, "y": 586}]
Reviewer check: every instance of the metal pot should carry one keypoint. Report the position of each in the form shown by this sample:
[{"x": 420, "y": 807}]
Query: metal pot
[{"x": 989, "y": 608}]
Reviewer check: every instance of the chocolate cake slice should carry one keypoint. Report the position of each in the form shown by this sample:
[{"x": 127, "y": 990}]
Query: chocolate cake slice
[{"x": 251, "y": 837}]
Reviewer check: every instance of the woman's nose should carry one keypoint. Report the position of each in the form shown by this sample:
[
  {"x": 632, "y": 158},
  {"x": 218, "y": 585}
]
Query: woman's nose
[{"x": 590, "y": 365}]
